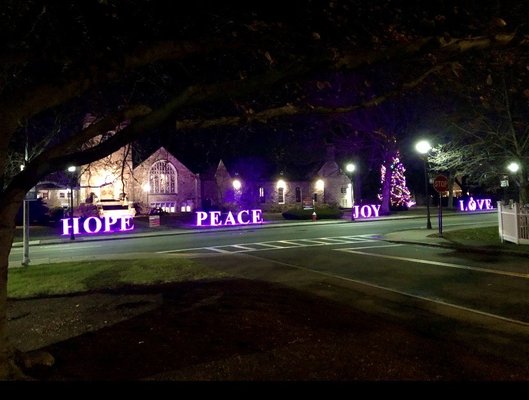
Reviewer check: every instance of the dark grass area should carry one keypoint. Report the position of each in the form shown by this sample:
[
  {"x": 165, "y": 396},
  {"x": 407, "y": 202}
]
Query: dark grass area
[{"x": 243, "y": 330}]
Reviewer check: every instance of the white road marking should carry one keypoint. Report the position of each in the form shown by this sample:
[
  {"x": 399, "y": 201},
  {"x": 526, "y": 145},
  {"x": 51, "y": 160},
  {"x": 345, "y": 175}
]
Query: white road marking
[
  {"x": 242, "y": 247},
  {"x": 437, "y": 263},
  {"x": 291, "y": 243},
  {"x": 217, "y": 249},
  {"x": 414, "y": 296},
  {"x": 371, "y": 247},
  {"x": 326, "y": 241},
  {"x": 270, "y": 245}
]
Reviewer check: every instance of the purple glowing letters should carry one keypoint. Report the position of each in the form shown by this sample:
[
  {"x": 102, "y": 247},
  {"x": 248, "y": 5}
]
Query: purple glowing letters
[
  {"x": 216, "y": 218},
  {"x": 366, "y": 211},
  {"x": 473, "y": 205},
  {"x": 93, "y": 225}
]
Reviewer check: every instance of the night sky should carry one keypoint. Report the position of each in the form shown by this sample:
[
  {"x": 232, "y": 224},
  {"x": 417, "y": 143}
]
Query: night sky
[{"x": 320, "y": 54}]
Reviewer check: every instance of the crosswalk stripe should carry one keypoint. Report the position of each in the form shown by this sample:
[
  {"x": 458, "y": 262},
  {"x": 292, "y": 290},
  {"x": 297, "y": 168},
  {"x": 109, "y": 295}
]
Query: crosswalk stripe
[{"x": 279, "y": 244}]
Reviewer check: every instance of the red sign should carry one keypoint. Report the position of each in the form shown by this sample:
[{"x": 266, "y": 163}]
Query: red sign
[{"x": 440, "y": 183}]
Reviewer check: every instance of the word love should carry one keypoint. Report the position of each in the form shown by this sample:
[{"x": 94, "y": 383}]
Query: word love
[
  {"x": 96, "y": 225},
  {"x": 216, "y": 218},
  {"x": 473, "y": 205},
  {"x": 366, "y": 211}
]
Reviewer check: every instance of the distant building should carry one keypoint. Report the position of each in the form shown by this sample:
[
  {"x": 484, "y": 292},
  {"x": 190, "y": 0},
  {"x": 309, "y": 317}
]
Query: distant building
[{"x": 163, "y": 182}]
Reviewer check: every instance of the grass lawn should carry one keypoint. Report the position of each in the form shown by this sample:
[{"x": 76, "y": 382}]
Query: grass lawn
[
  {"x": 83, "y": 276},
  {"x": 487, "y": 235},
  {"x": 484, "y": 237}
]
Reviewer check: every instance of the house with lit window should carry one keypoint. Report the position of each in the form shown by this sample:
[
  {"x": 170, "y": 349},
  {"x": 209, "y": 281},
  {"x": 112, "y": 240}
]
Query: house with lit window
[
  {"x": 162, "y": 182},
  {"x": 327, "y": 185}
]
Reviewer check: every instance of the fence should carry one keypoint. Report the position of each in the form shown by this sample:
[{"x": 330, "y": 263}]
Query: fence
[{"x": 513, "y": 223}]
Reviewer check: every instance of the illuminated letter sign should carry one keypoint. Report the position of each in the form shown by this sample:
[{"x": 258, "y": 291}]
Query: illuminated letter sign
[
  {"x": 366, "y": 211},
  {"x": 215, "y": 218},
  {"x": 473, "y": 205},
  {"x": 93, "y": 225}
]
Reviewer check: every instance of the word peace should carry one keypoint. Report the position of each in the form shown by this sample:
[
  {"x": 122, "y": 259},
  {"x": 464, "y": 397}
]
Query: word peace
[{"x": 215, "y": 218}]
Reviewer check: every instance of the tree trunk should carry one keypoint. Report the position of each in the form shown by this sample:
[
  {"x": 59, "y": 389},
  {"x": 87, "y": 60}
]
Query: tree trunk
[
  {"x": 451, "y": 181},
  {"x": 385, "y": 207},
  {"x": 8, "y": 212},
  {"x": 524, "y": 188}
]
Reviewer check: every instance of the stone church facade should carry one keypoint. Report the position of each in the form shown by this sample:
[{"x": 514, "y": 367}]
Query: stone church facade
[{"x": 162, "y": 182}]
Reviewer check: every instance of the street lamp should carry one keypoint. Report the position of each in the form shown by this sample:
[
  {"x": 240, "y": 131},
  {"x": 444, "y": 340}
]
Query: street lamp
[
  {"x": 71, "y": 170},
  {"x": 237, "y": 184},
  {"x": 514, "y": 167},
  {"x": 236, "y": 189},
  {"x": 350, "y": 167},
  {"x": 423, "y": 147}
]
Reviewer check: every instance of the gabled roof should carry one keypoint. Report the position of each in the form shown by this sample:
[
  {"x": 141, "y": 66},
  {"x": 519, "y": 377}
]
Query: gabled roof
[{"x": 162, "y": 154}]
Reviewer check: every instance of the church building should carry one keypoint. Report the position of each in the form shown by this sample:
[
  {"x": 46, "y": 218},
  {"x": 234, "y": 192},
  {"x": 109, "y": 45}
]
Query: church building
[{"x": 162, "y": 182}]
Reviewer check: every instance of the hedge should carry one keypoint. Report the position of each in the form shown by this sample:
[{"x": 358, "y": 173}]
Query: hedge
[{"x": 321, "y": 213}]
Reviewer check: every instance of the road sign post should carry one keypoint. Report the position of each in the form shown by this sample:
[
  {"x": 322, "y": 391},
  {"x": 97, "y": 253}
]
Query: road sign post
[{"x": 440, "y": 184}]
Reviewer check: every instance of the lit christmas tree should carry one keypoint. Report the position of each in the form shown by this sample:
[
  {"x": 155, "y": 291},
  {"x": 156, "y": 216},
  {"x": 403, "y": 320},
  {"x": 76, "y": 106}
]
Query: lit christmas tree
[{"x": 399, "y": 193}]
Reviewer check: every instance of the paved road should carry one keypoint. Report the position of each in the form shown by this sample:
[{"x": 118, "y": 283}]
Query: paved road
[
  {"x": 489, "y": 285},
  {"x": 480, "y": 299}
]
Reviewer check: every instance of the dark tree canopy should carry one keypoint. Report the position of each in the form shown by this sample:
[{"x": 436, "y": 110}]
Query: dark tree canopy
[{"x": 208, "y": 78}]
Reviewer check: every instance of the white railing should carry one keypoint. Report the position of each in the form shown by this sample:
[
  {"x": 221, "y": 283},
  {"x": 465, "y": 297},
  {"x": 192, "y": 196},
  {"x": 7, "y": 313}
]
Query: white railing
[{"x": 513, "y": 223}]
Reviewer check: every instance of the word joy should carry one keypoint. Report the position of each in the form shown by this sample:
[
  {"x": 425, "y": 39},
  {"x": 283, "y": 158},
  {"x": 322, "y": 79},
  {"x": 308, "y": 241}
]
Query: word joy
[
  {"x": 97, "y": 224},
  {"x": 215, "y": 218},
  {"x": 473, "y": 205},
  {"x": 366, "y": 211}
]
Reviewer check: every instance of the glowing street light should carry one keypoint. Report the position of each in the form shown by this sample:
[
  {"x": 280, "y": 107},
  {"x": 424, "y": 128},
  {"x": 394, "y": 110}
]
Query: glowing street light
[
  {"x": 350, "y": 167},
  {"x": 513, "y": 167},
  {"x": 423, "y": 147}
]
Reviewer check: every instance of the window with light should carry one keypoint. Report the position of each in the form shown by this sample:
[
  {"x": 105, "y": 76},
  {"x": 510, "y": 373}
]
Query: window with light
[
  {"x": 298, "y": 194},
  {"x": 281, "y": 195},
  {"x": 162, "y": 178}
]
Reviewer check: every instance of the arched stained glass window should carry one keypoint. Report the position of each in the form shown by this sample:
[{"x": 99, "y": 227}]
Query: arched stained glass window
[{"x": 162, "y": 177}]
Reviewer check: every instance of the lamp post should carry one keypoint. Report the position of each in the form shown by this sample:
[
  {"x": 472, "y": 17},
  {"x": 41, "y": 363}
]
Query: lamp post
[
  {"x": 423, "y": 147},
  {"x": 514, "y": 167},
  {"x": 71, "y": 170},
  {"x": 350, "y": 167},
  {"x": 25, "y": 229},
  {"x": 236, "y": 189}
]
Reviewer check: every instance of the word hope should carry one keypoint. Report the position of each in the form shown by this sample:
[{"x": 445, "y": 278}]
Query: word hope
[{"x": 97, "y": 224}]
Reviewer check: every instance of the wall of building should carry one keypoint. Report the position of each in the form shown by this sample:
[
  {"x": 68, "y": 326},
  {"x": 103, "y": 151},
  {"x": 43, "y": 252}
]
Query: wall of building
[
  {"x": 108, "y": 178},
  {"x": 187, "y": 186},
  {"x": 214, "y": 192}
]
